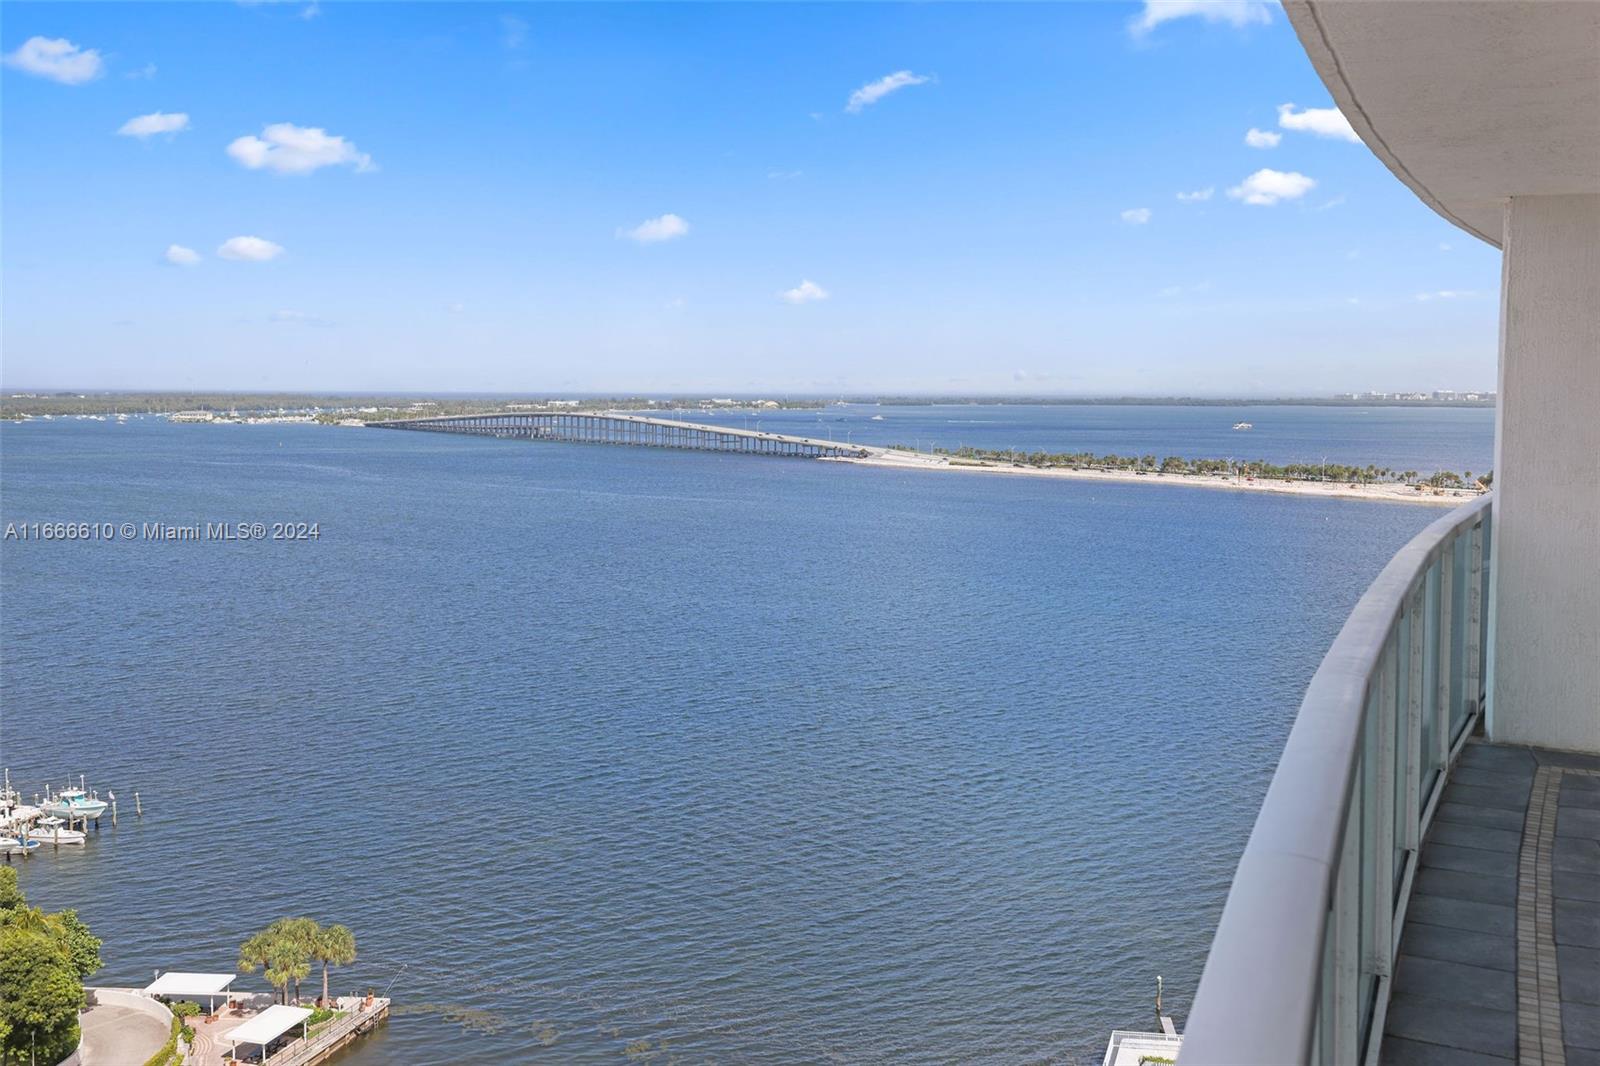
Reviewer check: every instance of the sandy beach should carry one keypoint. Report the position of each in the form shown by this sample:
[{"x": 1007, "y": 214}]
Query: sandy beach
[{"x": 1387, "y": 492}]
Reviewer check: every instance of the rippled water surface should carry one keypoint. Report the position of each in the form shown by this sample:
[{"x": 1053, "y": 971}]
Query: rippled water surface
[{"x": 609, "y": 753}]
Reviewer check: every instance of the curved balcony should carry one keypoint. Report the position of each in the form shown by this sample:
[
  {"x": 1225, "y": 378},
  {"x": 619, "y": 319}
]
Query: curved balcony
[{"x": 1302, "y": 963}]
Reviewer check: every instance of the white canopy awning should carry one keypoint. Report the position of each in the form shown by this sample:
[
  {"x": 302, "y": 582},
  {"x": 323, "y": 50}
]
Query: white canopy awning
[
  {"x": 267, "y": 1026},
  {"x": 190, "y": 985}
]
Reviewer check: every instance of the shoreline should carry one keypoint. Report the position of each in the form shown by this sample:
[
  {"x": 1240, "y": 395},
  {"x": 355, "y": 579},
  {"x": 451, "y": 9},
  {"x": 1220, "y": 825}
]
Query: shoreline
[{"x": 1386, "y": 492}]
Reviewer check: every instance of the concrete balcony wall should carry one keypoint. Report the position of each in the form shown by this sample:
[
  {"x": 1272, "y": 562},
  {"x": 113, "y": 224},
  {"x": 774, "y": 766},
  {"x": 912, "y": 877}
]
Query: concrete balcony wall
[{"x": 1545, "y": 584}]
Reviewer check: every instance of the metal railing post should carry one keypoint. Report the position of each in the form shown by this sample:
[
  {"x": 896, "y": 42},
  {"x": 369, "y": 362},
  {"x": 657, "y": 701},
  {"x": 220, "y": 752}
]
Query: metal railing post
[
  {"x": 1347, "y": 944},
  {"x": 1414, "y": 753},
  {"x": 1472, "y": 646},
  {"x": 1383, "y": 857},
  {"x": 1444, "y": 631}
]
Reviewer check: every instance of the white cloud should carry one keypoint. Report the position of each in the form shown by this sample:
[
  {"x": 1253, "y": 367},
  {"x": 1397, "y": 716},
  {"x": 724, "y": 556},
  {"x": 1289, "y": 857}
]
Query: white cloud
[
  {"x": 178, "y": 255},
  {"x": 249, "y": 249},
  {"x": 149, "y": 125},
  {"x": 1238, "y": 13},
  {"x": 1322, "y": 121},
  {"x": 1138, "y": 216},
  {"x": 1445, "y": 246},
  {"x": 514, "y": 31},
  {"x": 58, "y": 59},
  {"x": 1267, "y": 187},
  {"x": 874, "y": 91},
  {"x": 653, "y": 230},
  {"x": 311, "y": 11},
  {"x": 144, "y": 73},
  {"x": 804, "y": 293},
  {"x": 290, "y": 149},
  {"x": 1447, "y": 294},
  {"x": 1197, "y": 196},
  {"x": 456, "y": 308},
  {"x": 1262, "y": 138}
]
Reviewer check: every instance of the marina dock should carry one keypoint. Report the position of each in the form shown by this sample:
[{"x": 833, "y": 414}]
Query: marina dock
[
  {"x": 55, "y": 818},
  {"x": 636, "y": 430}
]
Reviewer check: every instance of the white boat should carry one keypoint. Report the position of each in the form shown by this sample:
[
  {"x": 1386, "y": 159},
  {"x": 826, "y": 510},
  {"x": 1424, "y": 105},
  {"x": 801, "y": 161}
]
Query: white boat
[
  {"x": 73, "y": 804},
  {"x": 1243, "y": 425},
  {"x": 53, "y": 830},
  {"x": 876, "y": 418},
  {"x": 13, "y": 846}
]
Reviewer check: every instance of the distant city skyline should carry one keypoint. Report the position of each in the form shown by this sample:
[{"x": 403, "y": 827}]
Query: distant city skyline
[{"x": 1087, "y": 200}]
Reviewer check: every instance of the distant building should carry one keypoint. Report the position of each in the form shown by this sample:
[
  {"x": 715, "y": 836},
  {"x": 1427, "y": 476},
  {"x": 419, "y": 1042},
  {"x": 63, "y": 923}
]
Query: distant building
[{"x": 192, "y": 416}]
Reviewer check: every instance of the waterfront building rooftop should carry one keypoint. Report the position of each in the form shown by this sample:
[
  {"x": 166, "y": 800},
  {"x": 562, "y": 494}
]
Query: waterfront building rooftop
[
  {"x": 180, "y": 985},
  {"x": 1129, "y": 1048},
  {"x": 270, "y": 1024}
]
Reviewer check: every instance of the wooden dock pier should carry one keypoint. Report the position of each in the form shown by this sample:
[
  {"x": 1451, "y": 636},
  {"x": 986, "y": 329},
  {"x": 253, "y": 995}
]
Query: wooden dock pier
[{"x": 636, "y": 430}]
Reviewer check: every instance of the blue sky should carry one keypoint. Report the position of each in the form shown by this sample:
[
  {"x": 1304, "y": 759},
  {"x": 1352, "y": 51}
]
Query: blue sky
[{"x": 451, "y": 196}]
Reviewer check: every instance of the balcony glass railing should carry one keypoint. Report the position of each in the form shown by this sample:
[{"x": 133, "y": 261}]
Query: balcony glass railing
[{"x": 1300, "y": 967}]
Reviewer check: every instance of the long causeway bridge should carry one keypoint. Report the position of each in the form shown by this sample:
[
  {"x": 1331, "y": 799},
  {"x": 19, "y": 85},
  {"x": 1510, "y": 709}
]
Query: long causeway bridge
[{"x": 638, "y": 430}]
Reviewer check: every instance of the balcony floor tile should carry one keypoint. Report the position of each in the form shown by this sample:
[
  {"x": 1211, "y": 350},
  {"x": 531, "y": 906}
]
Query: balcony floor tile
[
  {"x": 1493, "y": 817},
  {"x": 1445, "y": 856},
  {"x": 1578, "y": 922},
  {"x": 1454, "y": 884},
  {"x": 1494, "y": 918},
  {"x": 1481, "y": 837},
  {"x": 1578, "y": 822},
  {"x": 1398, "y": 1051},
  {"x": 1569, "y": 885},
  {"x": 1460, "y": 945},
  {"x": 1580, "y": 1025},
  {"x": 1498, "y": 757},
  {"x": 1580, "y": 974},
  {"x": 1574, "y": 797},
  {"x": 1578, "y": 855},
  {"x": 1511, "y": 799},
  {"x": 1454, "y": 982},
  {"x": 1453, "y": 1025}
]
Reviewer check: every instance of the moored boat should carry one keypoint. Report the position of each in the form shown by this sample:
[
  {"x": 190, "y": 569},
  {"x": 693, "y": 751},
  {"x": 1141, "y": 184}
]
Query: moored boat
[
  {"x": 52, "y": 830},
  {"x": 73, "y": 804}
]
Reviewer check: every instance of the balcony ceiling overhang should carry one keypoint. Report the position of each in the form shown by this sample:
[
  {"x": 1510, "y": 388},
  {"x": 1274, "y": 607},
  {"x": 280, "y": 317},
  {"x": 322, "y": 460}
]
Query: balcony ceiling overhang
[{"x": 1468, "y": 102}]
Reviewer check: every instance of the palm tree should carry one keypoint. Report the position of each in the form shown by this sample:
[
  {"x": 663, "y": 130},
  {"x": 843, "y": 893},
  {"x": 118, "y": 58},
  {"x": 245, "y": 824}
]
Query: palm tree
[
  {"x": 298, "y": 940},
  {"x": 282, "y": 951},
  {"x": 255, "y": 953},
  {"x": 333, "y": 946}
]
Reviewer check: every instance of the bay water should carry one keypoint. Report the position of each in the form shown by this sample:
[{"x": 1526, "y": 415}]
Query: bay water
[{"x": 611, "y": 754}]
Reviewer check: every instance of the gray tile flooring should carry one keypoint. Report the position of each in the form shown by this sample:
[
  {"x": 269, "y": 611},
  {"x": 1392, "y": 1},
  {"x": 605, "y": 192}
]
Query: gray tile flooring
[{"x": 1455, "y": 995}]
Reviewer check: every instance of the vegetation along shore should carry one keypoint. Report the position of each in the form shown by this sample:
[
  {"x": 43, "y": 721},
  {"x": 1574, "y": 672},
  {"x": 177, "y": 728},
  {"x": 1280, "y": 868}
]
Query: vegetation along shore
[{"x": 1301, "y": 479}]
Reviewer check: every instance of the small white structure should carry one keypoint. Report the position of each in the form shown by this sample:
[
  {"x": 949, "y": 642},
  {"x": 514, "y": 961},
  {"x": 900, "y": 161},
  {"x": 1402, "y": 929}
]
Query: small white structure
[
  {"x": 1137, "y": 1049},
  {"x": 196, "y": 986},
  {"x": 267, "y": 1026}
]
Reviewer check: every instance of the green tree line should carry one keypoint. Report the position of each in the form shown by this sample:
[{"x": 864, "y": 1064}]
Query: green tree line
[
  {"x": 1180, "y": 466},
  {"x": 44, "y": 959}
]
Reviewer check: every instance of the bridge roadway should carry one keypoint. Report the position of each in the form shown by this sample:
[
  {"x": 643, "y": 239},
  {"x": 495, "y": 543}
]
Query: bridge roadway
[{"x": 637, "y": 430}]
